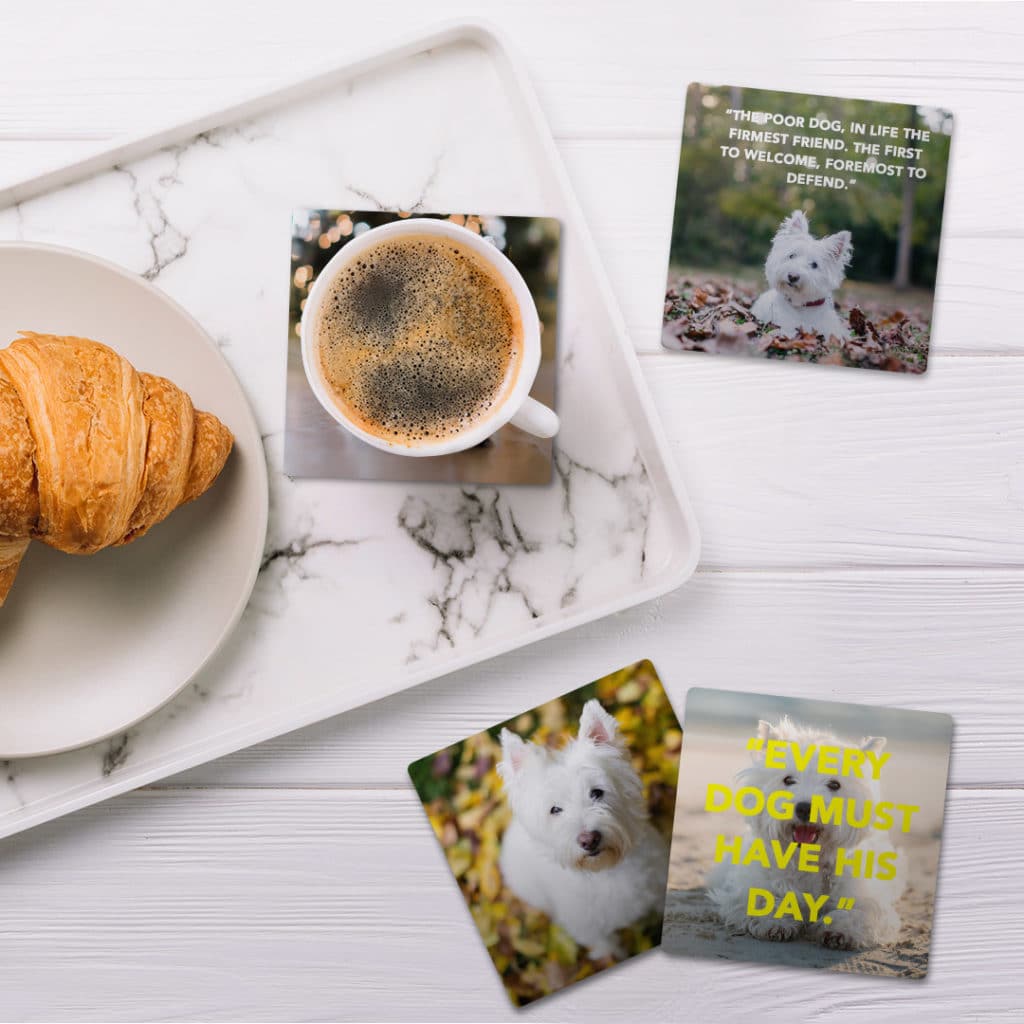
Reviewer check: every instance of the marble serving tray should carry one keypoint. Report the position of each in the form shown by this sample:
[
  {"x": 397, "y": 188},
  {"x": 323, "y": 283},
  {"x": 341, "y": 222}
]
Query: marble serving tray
[{"x": 368, "y": 588}]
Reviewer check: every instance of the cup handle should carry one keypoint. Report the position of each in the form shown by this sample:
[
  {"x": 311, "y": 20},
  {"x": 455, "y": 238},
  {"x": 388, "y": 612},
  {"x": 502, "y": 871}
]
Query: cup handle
[{"x": 536, "y": 419}]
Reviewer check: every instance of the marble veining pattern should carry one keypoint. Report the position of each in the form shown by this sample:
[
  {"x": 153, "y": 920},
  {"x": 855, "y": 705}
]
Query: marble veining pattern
[{"x": 400, "y": 577}]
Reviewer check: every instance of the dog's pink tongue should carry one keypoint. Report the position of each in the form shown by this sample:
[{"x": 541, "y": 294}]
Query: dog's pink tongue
[{"x": 804, "y": 833}]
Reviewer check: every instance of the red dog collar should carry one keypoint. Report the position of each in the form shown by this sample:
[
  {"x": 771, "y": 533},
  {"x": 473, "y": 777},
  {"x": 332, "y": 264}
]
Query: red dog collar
[{"x": 816, "y": 302}]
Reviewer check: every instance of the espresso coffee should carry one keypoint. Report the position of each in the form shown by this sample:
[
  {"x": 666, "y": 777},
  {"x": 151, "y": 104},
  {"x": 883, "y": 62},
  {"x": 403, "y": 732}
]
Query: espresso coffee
[{"x": 419, "y": 339}]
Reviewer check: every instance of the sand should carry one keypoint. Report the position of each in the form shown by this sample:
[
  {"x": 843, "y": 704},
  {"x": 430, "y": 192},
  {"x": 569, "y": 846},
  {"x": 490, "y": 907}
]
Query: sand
[{"x": 692, "y": 927}]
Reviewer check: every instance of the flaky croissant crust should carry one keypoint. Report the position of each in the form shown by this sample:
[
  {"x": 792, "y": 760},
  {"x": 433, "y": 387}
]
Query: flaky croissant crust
[{"x": 93, "y": 453}]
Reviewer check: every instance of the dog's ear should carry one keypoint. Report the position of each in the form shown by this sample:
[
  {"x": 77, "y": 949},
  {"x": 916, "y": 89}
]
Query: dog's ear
[
  {"x": 765, "y": 732},
  {"x": 795, "y": 224},
  {"x": 597, "y": 726},
  {"x": 840, "y": 247},
  {"x": 513, "y": 754},
  {"x": 873, "y": 743}
]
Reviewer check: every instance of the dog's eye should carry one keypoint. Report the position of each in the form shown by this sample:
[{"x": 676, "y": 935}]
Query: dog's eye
[
  {"x": 792, "y": 255},
  {"x": 596, "y": 794},
  {"x": 789, "y": 781},
  {"x": 814, "y": 266},
  {"x": 556, "y": 810},
  {"x": 833, "y": 785}
]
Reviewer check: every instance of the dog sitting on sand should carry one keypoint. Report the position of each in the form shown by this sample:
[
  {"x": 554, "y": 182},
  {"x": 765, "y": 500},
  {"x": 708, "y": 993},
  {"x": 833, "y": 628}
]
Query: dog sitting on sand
[{"x": 872, "y": 919}]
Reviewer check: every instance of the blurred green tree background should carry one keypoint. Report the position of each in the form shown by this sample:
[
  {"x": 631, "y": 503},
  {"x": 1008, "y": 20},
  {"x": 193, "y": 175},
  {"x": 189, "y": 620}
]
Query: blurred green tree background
[
  {"x": 727, "y": 210},
  {"x": 464, "y": 800}
]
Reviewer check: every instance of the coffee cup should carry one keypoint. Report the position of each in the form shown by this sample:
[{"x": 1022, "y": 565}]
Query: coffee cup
[{"x": 511, "y": 402}]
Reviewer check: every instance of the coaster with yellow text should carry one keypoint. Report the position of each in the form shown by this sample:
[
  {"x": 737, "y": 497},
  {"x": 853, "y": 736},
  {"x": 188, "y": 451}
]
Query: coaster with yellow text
[{"x": 807, "y": 833}]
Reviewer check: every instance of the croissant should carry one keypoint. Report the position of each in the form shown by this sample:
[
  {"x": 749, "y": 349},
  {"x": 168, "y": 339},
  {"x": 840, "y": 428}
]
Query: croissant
[{"x": 93, "y": 453}]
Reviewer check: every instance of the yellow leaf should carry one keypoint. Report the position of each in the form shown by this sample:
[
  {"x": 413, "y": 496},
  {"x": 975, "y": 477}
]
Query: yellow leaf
[
  {"x": 486, "y": 925},
  {"x": 490, "y": 881},
  {"x": 470, "y": 819},
  {"x": 552, "y": 716},
  {"x": 562, "y": 946},
  {"x": 460, "y": 857},
  {"x": 523, "y": 724},
  {"x": 630, "y": 692},
  {"x": 529, "y": 947}
]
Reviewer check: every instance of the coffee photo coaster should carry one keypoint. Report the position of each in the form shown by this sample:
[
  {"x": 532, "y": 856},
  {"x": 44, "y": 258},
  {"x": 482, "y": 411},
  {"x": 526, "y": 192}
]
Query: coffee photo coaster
[
  {"x": 318, "y": 447},
  {"x": 555, "y": 826}
]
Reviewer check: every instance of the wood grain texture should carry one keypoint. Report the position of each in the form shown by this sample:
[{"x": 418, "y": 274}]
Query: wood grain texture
[
  {"x": 339, "y": 905},
  {"x": 598, "y": 75},
  {"x": 936, "y": 640},
  {"x": 862, "y": 541},
  {"x": 851, "y": 468}
]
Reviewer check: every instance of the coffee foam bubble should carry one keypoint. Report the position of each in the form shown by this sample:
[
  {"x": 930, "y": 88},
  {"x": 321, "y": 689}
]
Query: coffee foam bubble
[{"x": 419, "y": 339}]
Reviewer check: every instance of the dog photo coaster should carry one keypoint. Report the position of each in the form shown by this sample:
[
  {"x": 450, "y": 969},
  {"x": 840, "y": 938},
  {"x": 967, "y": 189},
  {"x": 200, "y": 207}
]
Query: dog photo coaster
[
  {"x": 807, "y": 833},
  {"x": 806, "y": 228},
  {"x": 318, "y": 447},
  {"x": 555, "y": 825}
]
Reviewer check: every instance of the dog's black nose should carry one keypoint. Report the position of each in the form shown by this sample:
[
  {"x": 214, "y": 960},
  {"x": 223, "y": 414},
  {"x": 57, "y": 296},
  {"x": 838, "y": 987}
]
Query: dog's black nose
[
  {"x": 589, "y": 841},
  {"x": 793, "y": 278},
  {"x": 803, "y": 811}
]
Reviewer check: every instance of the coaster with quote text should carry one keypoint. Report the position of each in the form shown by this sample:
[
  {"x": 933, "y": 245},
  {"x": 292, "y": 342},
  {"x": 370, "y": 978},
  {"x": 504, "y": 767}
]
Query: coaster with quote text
[
  {"x": 806, "y": 228},
  {"x": 807, "y": 833}
]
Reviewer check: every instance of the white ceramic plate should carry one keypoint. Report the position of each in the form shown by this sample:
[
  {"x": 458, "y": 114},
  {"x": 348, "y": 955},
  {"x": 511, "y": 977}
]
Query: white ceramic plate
[{"x": 88, "y": 646}]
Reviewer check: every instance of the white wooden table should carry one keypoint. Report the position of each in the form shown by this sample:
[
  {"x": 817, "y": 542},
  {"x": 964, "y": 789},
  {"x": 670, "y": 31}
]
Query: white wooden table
[{"x": 863, "y": 540}]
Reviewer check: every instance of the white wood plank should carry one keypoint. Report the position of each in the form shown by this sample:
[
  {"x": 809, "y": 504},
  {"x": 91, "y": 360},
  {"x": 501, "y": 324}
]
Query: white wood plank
[
  {"x": 597, "y": 74},
  {"x": 933, "y": 640},
  {"x": 337, "y": 905},
  {"x": 805, "y": 465}
]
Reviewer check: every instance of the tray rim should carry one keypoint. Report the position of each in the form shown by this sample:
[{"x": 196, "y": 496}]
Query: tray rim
[{"x": 680, "y": 566}]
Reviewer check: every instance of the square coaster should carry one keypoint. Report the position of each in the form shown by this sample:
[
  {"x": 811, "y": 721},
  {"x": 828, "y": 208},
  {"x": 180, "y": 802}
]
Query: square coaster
[
  {"x": 807, "y": 833},
  {"x": 316, "y": 446},
  {"x": 555, "y": 826},
  {"x": 806, "y": 228}
]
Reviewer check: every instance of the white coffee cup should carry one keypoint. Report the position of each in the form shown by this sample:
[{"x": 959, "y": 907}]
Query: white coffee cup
[{"x": 514, "y": 406}]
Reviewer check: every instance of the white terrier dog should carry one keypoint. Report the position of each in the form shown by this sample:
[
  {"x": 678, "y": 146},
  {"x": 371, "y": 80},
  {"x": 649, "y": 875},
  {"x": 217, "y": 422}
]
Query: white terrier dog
[
  {"x": 580, "y": 847},
  {"x": 873, "y": 920},
  {"x": 802, "y": 273}
]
